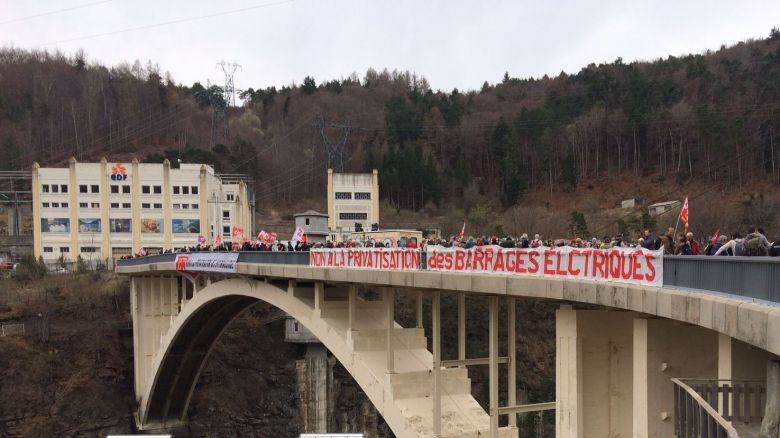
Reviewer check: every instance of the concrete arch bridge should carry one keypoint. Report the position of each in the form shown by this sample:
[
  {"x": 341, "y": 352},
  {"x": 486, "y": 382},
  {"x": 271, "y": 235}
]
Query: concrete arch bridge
[{"x": 689, "y": 358}]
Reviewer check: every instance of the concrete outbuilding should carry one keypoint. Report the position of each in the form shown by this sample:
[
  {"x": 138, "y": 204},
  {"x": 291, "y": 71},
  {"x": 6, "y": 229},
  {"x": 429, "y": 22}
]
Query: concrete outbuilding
[{"x": 314, "y": 224}]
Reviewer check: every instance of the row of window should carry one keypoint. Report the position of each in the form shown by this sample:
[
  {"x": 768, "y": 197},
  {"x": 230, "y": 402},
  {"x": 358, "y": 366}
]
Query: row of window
[
  {"x": 353, "y": 216},
  {"x": 96, "y": 225},
  {"x": 185, "y": 190},
  {"x": 95, "y": 188},
  {"x": 67, "y": 249},
  {"x": 54, "y": 205},
  {"x": 362, "y": 196},
  {"x": 54, "y": 188},
  {"x": 144, "y": 205}
]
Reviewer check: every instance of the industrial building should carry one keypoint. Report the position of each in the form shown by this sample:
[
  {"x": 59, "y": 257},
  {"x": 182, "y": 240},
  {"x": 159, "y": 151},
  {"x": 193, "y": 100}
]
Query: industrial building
[
  {"x": 353, "y": 203},
  {"x": 104, "y": 210}
]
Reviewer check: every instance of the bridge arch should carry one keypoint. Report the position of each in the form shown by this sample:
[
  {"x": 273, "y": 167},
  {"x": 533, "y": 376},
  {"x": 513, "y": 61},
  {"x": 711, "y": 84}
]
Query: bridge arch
[{"x": 186, "y": 345}]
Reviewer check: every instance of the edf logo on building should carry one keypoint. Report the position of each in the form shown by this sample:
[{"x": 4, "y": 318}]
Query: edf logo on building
[{"x": 118, "y": 172}]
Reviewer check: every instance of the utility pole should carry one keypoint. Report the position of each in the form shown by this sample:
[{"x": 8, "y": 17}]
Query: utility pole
[{"x": 334, "y": 152}]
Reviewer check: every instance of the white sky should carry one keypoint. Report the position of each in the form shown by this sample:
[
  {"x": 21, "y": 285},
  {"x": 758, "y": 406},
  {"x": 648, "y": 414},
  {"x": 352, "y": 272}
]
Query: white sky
[{"x": 452, "y": 43}]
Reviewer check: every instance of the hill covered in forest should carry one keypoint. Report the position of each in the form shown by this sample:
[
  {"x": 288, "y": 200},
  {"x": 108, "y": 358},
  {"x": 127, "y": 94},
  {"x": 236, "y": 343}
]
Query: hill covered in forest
[{"x": 707, "y": 122}]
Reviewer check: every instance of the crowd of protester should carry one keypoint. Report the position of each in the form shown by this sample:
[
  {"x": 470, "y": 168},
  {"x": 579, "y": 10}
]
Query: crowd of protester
[{"x": 754, "y": 243}]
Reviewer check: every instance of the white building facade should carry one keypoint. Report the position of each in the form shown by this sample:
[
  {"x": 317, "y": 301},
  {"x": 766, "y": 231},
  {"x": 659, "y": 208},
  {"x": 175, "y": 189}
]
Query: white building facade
[
  {"x": 353, "y": 198},
  {"x": 104, "y": 210}
]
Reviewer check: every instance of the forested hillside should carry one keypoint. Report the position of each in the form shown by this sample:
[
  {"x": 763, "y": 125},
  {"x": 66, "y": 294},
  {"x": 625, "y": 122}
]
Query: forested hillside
[{"x": 708, "y": 118}]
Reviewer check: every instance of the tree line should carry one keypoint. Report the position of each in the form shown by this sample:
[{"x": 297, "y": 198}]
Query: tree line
[{"x": 712, "y": 117}]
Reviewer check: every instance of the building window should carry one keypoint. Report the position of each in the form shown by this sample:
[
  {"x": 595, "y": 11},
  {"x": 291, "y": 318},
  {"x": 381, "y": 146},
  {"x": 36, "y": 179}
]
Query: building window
[
  {"x": 45, "y": 205},
  {"x": 226, "y": 229},
  {"x": 83, "y": 188},
  {"x": 64, "y": 249},
  {"x": 195, "y": 206},
  {"x": 343, "y": 195},
  {"x": 145, "y": 189},
  {"x": 307, "y": 221},
  {"x": 176, "y": 206},
  {"x": 225, "y": 214},
  {"x": 126, "y": 205},
  {"x": 55, "y": 188},
  {"x": 126, "y": 189},
  {"x": 83, "y": 205},
  {"x": 55, "y": 205},
  {"x": 175, "y": 190},
  {"x": 146, "y": 205},
  {"x": 95, "y": 188},
  {"x": 185, "y": 190},
  {"x": 45, "y": 188},
  {"x": 231, "y": 197},
  {"x": 365, "y": 196},
  {"x": 114, "y": 189},
  {"x": 194, "y": 190},
  {"x": 64, "y": 188},
  {"x": 64, "y": 205},
  {"x": 114, "y": 205},
  {"x": 157, "y": 190},
  {"x": 88, "y": 249},
  {"x": 95, "y": 205},
  {"x": 353, "y": 216},
  {"x": 48, "y": 249},
  {"x": 185, "y": 206},
  {"x": 158, "y": 206}
]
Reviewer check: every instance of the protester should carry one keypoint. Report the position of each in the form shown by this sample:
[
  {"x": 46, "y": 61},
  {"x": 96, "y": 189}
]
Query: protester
[{"x": 693, "y": 243}]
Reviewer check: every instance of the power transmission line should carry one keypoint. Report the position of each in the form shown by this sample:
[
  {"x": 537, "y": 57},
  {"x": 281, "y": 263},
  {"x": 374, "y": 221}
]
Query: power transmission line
[
  {"x": 166, "y": 23},
  {"x": 56, "y": 11}
]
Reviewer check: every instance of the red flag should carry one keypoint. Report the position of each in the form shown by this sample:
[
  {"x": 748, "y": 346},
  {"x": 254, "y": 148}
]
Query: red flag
[
  {"x": 218, "y": 240},
  {"x": 684, "y": 214},
  {"x": 715, "y": 236},
  {"x": 462, "y": 230},
  {"x": 237, "y": 232}
]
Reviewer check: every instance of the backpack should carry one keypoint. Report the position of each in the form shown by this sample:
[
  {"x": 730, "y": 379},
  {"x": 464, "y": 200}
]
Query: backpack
[
  {"x": 739, "y": 248},
  {"x": 753, "y": 247}
]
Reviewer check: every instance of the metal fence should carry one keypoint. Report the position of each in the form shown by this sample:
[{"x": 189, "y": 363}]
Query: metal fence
[
  {"x": 11, "y": 329},
  {"x": 695, "y": 418},
  {"x": 751, "y": 277}
]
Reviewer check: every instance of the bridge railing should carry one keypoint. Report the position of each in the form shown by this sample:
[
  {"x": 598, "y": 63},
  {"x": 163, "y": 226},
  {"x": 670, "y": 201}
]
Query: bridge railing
[
  {"x": 751, "y": 277},
  {"x": 695, "y": 418}
]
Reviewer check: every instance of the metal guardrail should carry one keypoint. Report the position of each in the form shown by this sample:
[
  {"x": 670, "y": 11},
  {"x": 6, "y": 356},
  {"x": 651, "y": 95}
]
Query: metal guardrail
[
  {"x": 750, "y": 277},
  {"x": 695, "y": 418}
]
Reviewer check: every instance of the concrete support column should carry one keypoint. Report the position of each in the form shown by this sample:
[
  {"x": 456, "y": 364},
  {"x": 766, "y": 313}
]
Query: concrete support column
[
  {"x": 419, "y": 309},
  {"x": 493, "y": 363},
  {"x": 36, "y": 208},
  {"x": 319, "y": 297},
  {"x": 351, "y": 304},
  {"x": 167, "y": 207},
  {"x": 663, "y": 349},
  {"x": 135, "y": 193},
  {"x": 461, "y": 326},
  {"x": 568, "y": 375},
  {"x": 135, "y": 289},
  {"x": 512, "y": 353},
  {"x": 104, "y": 209},
  {"x": 436, "y": 346},
  {"x": 389, "y": 298},
  {"x": 73, "y": 188}
]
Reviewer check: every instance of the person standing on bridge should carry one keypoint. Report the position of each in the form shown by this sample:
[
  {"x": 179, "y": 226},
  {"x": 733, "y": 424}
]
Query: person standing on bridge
[
  {"x": 694, "y": 244},
  {"x": 667, "y": 241}
]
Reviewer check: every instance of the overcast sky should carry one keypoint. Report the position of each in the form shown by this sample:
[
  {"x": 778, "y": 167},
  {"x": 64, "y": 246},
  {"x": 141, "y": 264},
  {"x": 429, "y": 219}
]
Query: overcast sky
[{"x": 452, "y": 43}]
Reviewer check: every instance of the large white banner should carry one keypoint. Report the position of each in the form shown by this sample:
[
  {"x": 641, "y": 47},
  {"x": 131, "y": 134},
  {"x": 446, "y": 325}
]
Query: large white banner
[
  {"x": 623, "y": 265},
  {"x": 386, "y": 259},
  {"x": 207, "y": 261}
]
